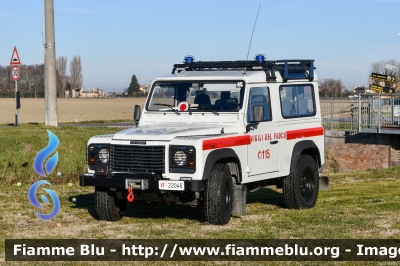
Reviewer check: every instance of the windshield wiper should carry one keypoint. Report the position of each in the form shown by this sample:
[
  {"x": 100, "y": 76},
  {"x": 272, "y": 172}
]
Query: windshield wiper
[
  {"x": 169, "y": 106},
  {"x": 205, "y": 107}
]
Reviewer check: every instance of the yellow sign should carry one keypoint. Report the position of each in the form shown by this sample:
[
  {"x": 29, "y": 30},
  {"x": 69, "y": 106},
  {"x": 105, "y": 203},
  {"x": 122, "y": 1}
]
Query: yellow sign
[
  {"x": 381, "y": 89},
  {"x": 388, "y": 90},
  {"x": 383, "y": 77},
  {"x": 376, "y": 87}
]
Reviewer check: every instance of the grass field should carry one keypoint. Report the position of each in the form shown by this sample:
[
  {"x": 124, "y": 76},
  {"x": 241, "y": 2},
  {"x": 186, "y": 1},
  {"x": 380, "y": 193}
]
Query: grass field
[
  {"x": 361, "y": 205},
  {"x": 358, "y": 205},
  {"x": 70, "y": 110},
  {"x": 19, "y": 146}
]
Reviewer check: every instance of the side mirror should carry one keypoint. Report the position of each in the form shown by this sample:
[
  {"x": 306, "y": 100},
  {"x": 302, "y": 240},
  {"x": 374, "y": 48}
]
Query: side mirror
[
  {"x": 136, "y": 114},
  {"x": 258, "y": 113},
  {"x": 258, "y": 116}
]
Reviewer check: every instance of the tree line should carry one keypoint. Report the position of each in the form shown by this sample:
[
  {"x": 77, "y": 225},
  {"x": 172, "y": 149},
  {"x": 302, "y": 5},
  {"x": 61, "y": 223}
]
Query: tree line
[
  {"x": 31, "y": 80},
  {"x": 335, "y": 87},
  {"x": 332, "y": 88}
]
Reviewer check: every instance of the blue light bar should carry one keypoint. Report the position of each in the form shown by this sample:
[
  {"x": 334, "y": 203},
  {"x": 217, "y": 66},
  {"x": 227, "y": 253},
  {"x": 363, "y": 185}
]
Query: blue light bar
[
  {"x": 188, "y": 59},
  {"x": 259, "y": 57}
]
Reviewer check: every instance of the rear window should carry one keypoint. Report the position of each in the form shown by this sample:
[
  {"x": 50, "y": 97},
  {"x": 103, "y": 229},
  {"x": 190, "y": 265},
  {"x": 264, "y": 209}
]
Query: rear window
[{"x": 297, "y": 101}]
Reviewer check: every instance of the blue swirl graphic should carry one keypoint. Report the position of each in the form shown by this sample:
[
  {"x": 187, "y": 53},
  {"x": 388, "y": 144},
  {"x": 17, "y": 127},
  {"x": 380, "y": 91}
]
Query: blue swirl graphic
[
  {"x": 44, "y": 153},
  {"x": 32, "y": 198}
]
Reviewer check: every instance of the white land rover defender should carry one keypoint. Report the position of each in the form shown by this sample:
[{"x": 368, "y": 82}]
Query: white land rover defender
[{"x": 209, "y": 133}]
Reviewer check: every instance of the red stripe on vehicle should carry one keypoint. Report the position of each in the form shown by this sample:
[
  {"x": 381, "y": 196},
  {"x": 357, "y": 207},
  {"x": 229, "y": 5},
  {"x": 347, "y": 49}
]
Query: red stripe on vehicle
[
  {"x": 304, "y": 133},
  {"x": 226, "y": 142}
]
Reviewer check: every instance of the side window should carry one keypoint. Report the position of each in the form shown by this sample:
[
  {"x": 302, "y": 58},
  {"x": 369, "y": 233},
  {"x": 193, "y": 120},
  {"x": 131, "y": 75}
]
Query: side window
[
  {"x": 297, "y": 101},
  {"x": 259, "y": 96}
]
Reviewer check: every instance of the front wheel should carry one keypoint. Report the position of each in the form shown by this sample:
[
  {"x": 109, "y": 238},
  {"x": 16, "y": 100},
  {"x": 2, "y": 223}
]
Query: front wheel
[
  {"x": 218, "y": 195},
  {"x": 108, "y": 207},
  {"x": 300, "y": 189}
]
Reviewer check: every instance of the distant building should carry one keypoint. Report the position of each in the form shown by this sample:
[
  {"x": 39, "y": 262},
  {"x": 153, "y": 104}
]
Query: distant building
[
  {"x": 360, "y": 89},
  {"x": 91, "y": 93},
  {"x": 143, "y": 89},
  {"x": 112, "y": 95}
]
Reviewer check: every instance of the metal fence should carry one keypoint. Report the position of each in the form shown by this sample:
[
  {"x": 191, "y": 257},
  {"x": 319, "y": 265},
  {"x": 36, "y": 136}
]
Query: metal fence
[
  {"x": 379, "y": 113},
  {"x": 370, "y": 113},
  {"x": 339, "y": 113}
]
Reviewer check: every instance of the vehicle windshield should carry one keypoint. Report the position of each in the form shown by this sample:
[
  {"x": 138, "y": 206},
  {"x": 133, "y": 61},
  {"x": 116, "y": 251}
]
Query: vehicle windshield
[{"x": 212, "y": 96}]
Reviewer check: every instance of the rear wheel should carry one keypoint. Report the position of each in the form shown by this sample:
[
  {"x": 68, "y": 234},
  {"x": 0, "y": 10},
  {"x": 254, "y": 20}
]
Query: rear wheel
[
  {"x": 300, "y": 189},
  {"x": 218, "y": 195},
  {"x": 108, "y": 207}
]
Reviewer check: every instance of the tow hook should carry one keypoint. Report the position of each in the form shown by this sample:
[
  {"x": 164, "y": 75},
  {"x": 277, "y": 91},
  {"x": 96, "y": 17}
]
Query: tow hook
[{"x": 130, "y": 196}]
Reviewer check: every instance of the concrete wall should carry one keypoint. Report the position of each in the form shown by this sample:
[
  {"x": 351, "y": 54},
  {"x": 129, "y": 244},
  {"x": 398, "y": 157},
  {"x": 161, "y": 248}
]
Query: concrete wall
[{"x": 347, "y": 151}]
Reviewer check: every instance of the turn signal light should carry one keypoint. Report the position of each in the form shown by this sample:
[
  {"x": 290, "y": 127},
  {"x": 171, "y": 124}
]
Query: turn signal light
[{"x": 92, "y": 160}]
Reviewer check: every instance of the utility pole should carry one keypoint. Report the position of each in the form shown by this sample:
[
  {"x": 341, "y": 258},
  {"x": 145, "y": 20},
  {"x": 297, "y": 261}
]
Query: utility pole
[{"x": 50, "y": 88}]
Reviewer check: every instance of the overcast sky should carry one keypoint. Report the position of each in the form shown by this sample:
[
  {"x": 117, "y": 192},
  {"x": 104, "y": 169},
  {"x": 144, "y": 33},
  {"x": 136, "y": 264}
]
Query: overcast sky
[{"x": 116, "y": 39}]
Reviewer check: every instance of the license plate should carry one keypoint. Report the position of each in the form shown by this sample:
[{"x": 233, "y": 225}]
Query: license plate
[{"x": 171, "y": 185}]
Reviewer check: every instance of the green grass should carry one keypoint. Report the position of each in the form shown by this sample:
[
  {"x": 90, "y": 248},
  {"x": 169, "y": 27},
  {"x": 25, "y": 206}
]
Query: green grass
[
  {"x": 358, "y": 205},
  {"x": 339, "y": 125},
  {"x": 363, "y": 205},
  {"x": 20, "y": 145}
]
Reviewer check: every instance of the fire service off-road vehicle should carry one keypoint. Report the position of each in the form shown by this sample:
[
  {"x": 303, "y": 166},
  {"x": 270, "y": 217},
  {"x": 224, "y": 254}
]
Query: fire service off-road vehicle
[{"x": 211, "y": 132}]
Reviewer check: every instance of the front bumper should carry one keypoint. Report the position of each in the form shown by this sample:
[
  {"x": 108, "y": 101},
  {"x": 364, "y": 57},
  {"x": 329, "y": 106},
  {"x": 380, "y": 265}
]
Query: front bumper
[{"x": 147, "y": 181}]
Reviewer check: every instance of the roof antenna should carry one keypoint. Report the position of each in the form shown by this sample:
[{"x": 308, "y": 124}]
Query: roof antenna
[{"x": 248, "y": 51}]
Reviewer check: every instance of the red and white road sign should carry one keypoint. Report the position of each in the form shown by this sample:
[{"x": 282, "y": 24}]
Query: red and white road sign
[
  {"x": 15, "y": 57},
  {"x": 15, "y": 73}
]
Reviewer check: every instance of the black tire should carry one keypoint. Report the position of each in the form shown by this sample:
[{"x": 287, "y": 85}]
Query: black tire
[
  {"x": 300, "y": 189},
  {"x": 108, "y": 207},
  {"x": 218, "y": 195}
]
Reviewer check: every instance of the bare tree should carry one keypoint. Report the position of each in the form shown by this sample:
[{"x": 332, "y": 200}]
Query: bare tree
[
  {"x": 24, "y": 81},
  {"x": 75, "y": 70},
  {"x": 61, "y": 65},
  {"x": 7, "y": 84},
  {"x": 30, "y": 83},
  {"x": 37, "y": 76},
  {"x": 380, "y": 68},
  {"x": 332, "y": 88}
]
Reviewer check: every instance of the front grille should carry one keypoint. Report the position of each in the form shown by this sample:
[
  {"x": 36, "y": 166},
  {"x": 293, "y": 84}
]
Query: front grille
[{"x": 135, "y": 158}]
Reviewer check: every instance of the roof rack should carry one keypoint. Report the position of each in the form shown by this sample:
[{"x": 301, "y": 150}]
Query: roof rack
[{"x": 289, "y": 69}]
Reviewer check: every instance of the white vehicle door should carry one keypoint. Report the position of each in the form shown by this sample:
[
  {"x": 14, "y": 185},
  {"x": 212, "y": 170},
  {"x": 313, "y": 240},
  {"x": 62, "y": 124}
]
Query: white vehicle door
[{"x": 263, "y": 151}]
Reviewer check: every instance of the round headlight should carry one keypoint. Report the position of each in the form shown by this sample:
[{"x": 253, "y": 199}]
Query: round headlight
[
  {"x": 103, "y": 155},
  {"x": 180, "y": 158}
]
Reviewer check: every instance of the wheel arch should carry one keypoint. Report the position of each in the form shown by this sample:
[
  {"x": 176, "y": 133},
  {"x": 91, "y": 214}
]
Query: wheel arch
[
  {"x": 305, "y": 147},
  {"x": 222, "y": 155}
]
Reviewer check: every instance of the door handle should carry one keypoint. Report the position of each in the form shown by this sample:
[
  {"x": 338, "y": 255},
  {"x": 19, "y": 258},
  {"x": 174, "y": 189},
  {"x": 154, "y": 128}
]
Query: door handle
[{"x": 273, "y": 142}]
